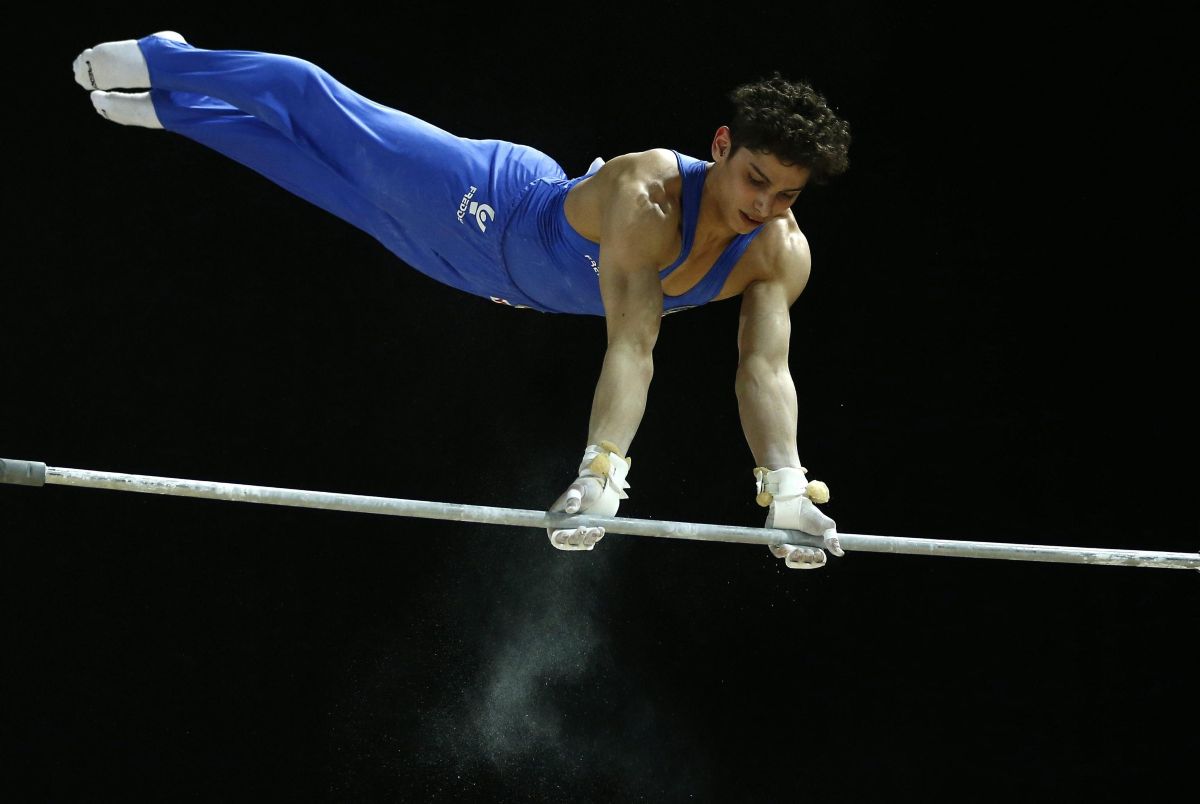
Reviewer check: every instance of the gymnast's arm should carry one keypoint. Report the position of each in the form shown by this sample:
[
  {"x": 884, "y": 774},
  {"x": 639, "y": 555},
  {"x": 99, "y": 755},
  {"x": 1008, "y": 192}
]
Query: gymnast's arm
[
  {"x": 767, "y": 405},
  {"x": 765, "y": 390},
  {"x": 635, "y": 230}
]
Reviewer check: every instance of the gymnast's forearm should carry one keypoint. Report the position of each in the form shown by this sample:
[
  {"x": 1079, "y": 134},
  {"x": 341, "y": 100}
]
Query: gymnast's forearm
[
  {"x": 769, "y": 412},
  {"x": 620, "y": 399}
]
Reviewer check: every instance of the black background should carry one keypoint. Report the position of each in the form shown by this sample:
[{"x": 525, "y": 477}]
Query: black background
[{"x": 992, "y": 346}]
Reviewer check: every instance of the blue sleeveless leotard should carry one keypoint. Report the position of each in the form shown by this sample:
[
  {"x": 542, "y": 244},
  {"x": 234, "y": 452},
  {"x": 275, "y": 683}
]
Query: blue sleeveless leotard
[{"x": 483, "y": 216}]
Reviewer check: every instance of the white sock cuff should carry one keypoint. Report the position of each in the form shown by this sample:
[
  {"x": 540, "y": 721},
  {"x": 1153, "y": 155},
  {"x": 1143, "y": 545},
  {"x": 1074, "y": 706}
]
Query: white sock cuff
[{"x": 126, "y": 108}]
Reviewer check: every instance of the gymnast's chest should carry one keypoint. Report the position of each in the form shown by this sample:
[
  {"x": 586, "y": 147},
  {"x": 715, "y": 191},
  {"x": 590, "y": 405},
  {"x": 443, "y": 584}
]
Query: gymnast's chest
[{"x": 690, "y": 272}]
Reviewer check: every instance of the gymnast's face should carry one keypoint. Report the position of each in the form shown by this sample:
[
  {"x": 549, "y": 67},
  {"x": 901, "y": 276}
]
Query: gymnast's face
[{"x": 753, "y": 187}]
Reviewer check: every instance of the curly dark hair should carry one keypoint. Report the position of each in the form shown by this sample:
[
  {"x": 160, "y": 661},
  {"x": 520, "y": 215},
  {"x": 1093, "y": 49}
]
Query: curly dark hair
[{"x": 792, "y": 121}]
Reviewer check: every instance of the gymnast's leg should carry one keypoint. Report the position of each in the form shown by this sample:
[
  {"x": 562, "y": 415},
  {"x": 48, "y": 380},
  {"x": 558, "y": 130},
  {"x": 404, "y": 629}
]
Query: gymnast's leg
[
  {"x": 377, "y": 148},
  {"x": 227, "y": 130},
  {"x": 396, "y": 176}
]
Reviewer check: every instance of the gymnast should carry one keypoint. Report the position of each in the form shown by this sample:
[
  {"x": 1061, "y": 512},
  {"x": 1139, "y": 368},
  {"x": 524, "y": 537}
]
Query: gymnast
[{"x": 635, "y": 238}]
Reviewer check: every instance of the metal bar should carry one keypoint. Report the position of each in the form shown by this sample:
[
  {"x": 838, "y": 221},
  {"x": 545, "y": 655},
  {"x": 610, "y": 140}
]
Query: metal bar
[
  {"x": 1019, "y": 552},
  {"x": 391, "y": 506},
  {"x": 636, "y": 527}
]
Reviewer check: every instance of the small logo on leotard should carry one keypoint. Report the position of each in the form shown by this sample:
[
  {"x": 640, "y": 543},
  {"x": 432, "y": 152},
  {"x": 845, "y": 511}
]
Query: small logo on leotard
[
  {"x": 482, "y": 212},
  {"x": 592, "y": 260}
]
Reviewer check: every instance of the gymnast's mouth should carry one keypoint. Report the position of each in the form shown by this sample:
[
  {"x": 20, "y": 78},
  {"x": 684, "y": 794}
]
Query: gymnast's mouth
[{"x": 749, "y": 220}]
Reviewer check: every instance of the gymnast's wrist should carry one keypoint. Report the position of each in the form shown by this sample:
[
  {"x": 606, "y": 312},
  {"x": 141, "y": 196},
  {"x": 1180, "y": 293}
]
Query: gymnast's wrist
[{"x": 604, "y": 460}]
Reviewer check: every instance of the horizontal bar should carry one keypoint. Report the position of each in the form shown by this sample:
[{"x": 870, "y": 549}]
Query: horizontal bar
[
  {"x": 391, "y": 506},
  {"x": 1019, "y": 552},
  {"x": 635, "y": 527}
]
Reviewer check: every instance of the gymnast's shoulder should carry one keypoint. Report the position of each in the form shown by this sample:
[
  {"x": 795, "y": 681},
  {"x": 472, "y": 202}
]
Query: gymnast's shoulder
[
  {"x": 778, "y": 255},
  {"x": 644, "y": 179}
]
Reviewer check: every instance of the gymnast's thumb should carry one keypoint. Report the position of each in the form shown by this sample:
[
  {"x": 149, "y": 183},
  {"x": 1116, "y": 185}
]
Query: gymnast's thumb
[{"x": 574, "y": 499}]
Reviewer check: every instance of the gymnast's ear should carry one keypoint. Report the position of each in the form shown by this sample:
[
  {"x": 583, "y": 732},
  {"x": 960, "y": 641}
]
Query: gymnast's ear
[{"x": 722, "y": 144}]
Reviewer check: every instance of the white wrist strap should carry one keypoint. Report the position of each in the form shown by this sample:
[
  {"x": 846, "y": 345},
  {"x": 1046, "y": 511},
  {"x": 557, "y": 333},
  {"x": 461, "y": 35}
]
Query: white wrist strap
[
  {"x": 786, "y": 483},
  {"x": 602, "y": 460}
]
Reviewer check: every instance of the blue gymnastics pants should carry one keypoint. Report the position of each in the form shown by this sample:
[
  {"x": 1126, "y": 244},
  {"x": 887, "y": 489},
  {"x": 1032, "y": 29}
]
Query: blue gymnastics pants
[{"x": 437, "y": 201}]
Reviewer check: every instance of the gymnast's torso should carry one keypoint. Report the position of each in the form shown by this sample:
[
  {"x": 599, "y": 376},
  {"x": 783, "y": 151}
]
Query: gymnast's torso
[{"x": 552, "y": 248}]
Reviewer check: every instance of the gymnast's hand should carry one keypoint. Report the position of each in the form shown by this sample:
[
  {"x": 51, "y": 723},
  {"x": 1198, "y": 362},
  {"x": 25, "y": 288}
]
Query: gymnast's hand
[
  {"x": 598, "y": 491},
  {"x": 791, "y": 499},
  {"x": 583, "y": 495}
]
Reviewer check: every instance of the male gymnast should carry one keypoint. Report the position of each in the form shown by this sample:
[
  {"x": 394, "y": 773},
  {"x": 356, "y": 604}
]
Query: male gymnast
[{"x": 635, "y": 238}]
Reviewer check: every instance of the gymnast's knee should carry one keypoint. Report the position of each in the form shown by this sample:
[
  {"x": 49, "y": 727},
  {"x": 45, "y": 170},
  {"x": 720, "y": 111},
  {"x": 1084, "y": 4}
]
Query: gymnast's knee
[{"x": 299, "y": 72}]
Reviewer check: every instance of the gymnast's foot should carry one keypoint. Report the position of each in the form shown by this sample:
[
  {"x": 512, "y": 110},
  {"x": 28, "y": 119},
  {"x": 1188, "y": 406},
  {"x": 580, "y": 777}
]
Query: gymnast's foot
[
  {"x": 116, "y": 64},
  {"x": 126, "y": 108}
]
